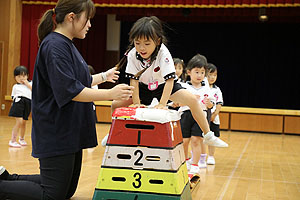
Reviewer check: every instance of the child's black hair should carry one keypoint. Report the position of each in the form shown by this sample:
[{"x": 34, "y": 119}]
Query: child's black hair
[
  {"x": 211, "y": 68},
  {"x": 180, "y": 61},
  {"x": 21, "y": 70},
  {"x": 148, "y": 27},
  {"x": 198, "y": 61}
]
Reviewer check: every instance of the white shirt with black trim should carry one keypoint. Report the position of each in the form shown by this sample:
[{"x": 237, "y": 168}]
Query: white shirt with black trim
[
  {"x": 202, "y": 93},
  {"x": 218, "y": 98},
  {"x": 161, "y": 69},
  {"x": 21, "y": 90}
]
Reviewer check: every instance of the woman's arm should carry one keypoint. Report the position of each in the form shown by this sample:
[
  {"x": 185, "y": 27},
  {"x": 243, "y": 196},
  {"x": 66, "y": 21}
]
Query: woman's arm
[
  {"x": 110, "y": 75},
  {"x": 119, "y": 92}
]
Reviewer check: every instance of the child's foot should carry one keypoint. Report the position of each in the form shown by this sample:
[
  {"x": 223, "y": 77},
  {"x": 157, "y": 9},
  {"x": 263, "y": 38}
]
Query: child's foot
[
  {"x": 3, "y": 173},
  {"x": 202, "y": 161},
  {"x": 104, "y": 141},
  {"x": 14, "y": 144},
  {"x": 188, "y": 164},
  {"x": 211, "y": 160},
  {"x": 194, "y": 169},
  {"x": 211, "y": 140},
  {"x": 22, "y": 142}
]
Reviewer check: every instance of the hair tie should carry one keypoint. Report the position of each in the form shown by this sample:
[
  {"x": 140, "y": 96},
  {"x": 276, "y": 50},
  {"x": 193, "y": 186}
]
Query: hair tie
[{"x": 54, "y": 18}]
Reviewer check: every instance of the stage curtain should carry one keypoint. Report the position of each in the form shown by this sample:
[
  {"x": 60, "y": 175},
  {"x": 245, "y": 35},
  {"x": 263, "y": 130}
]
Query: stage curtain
[
  {"x": 183, "y": 3},
  {"x": 92, "y": 47}
]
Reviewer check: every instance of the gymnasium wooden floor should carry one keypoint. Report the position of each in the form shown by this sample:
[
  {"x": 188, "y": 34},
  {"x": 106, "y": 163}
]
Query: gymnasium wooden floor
[{"x": 255, "y": 166}]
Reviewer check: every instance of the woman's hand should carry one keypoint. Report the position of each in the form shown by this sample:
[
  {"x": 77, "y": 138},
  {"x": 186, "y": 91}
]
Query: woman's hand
[
  {"x": 161, "y": 106},
  {"x": 121, "y": 92},
  {"x": 137, "y": 105},
  {"x": 112, "y": 75}
]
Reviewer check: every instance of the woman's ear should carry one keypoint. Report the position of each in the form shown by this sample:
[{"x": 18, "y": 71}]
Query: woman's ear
[{"x": 71, "y": 16}]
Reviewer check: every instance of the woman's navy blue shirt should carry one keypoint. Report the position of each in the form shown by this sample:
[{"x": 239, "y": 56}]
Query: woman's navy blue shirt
[{"x": 59, "y": 125}]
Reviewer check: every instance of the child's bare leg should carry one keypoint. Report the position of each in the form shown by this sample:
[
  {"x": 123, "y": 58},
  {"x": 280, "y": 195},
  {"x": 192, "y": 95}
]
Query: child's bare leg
[
  {"x": 22, "y": 129},
  {"x": 203, "y": 146},
  {"x": 196, "y": 148},
  {"x": 186, "y": 98},
  {"x": 211, "y": 150},
  {"x": 22, "y": 133},
  {"x": 15, "y": 130},
  {"x": 186, "y": 142}
]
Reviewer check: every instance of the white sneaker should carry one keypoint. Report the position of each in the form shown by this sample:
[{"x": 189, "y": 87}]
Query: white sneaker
[
  {"x": 22, "y": 142},
  {"x": 211, "y": 160},
  {"x": 14, "y": 144},
  {"x": 104, "y": 140},
  {"x": 211, "y": 140},
  {"x": 189, "y": 162},
  {"x": 202, "y": 164},
  {"x": 194, "y": 169}
]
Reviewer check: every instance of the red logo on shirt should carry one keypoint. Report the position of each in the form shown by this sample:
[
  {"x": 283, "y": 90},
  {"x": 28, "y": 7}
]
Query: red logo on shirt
[
  {"x": 157, "y": 69},
  {"x": 167, "y": 60}
]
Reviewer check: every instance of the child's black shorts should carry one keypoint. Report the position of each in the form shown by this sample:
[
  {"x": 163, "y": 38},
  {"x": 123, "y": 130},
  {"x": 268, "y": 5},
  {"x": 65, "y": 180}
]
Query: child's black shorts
[
  {"x": 215, "y": 128},
  {"x": 189, "y": 126},
  {"x": 21, "y": 107},
  {"x": 147, "y": 95}
]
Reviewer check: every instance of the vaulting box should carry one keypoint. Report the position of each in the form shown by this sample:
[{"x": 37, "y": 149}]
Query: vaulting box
[
  {"x": 144, "y": 157},
  {"x": 124, "y": 195},
  {"x": 142, "y": 133},
  {"x": 143, "y": 180}
]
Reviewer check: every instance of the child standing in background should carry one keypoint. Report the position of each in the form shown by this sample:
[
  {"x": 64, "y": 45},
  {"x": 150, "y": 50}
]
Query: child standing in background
[
  {"x": 21, "y": 107},
  {"x": 215, "y": 119},
  {"x": 180, "y": 69},
  {"x": 191, "y": 132}
]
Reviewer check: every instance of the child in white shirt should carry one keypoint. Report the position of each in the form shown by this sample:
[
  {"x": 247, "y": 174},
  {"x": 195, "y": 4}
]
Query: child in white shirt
[{"x": 21, "y": 107}]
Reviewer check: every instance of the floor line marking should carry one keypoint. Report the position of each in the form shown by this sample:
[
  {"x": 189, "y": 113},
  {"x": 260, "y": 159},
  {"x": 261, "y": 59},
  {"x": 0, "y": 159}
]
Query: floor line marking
[{"x": 234, "y": 169}]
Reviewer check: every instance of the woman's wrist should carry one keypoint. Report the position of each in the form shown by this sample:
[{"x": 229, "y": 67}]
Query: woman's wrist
[{"x": 103, "y": 76}]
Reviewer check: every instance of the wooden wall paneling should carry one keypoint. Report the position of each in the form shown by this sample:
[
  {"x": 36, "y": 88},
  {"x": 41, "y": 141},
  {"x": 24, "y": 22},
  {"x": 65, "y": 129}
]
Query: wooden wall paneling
[
  {"x": 224, "y": 120},
  {"x": 10, "y": 20},
  {"x": 292, "y": 124},
  {"x": 103, "y": 114},
  {"x": 256, "y": 122}
]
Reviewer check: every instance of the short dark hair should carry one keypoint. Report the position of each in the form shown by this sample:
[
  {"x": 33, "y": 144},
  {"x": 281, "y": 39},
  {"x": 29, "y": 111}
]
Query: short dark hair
[
  {"x": 198, "y": 61},
  {"x": 21, "y": 70}
]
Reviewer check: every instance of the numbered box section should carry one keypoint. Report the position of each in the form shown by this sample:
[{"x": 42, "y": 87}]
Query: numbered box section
[
  {"x": 143, "y": 180},
  {"x": 124, "y": 195},
  {"x": 144, "y": 157},
  {"x": 142, "y": 133}
]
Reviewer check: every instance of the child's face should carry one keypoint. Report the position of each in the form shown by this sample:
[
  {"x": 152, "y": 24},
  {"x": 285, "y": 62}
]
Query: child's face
[
  {"x": 212, "y": 77},
  {"x": 179, "y": 69},
  {"x": 145, "y": 47},
  {"x": 21, "y": 78},
  {"x": 197, "y": 75}
]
